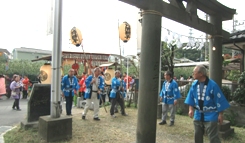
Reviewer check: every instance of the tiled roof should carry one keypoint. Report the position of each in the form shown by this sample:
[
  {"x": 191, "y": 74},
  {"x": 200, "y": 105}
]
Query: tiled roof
[{"x": 238, "y": 34}]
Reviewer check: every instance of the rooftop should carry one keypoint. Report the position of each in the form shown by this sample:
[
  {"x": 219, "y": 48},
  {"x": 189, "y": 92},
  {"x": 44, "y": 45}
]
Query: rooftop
[
  {"x": 5, "y": 51},
  {"x": 32, "y": 50},
  {"x": 236, "y": 39}
]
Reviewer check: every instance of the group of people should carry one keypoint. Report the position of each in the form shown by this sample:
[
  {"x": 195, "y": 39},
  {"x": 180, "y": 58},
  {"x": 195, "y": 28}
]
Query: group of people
[
  {"x": 20, "y": 88},
  {"x": 206, "y": 103},
  {"x": 92, "y": 89}
]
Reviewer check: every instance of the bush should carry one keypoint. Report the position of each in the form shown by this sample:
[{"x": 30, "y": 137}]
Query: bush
[
  {"x": 238, "y": 95},
  {"x": 227, "y": 92},
  {"x": 185, "y": 91}
]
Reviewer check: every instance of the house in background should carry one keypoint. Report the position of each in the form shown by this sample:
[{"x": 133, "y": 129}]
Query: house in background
[
  {"x": 29, "y": 53},
  {"x": 5, "y": 54}
]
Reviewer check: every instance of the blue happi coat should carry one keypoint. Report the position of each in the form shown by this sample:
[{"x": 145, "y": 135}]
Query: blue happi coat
[
  {"x": 115, "y": 84},
  {"x": 170, "y": 94},
  {"x": 213, "y": 102},
  {"x": 68, "y": 85},
  {"x": 88, "y": 90}
]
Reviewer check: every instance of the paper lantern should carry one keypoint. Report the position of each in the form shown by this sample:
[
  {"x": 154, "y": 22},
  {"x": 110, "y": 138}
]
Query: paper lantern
[
  {"x": 109, "y": 74},
  {"x": 76, "y": 36},
  {"x": 1, "y": 53},
  {"x": 125, "y": 32},
  {"x": 45, "y": 74}
]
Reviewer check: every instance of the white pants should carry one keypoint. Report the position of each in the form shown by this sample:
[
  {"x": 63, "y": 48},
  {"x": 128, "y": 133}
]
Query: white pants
[{"x": 95, "y": 100}]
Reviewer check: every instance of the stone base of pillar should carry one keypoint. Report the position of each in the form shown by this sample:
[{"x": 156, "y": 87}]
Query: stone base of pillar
[
  {"x": 55, "y": 129},
  {"x": 225, "y": 130},
  {"x": 27, "y": 125}
]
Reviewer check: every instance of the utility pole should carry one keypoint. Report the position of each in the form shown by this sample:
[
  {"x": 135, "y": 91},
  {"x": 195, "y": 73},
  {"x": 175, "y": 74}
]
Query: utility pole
[
  {"x": 206, "y": 42},
  {"x": 235, "y": 24},
  {"x": 120, "y": 50}
]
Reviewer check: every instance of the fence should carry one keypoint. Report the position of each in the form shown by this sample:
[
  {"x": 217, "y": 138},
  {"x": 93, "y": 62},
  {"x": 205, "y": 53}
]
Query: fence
[{"x": 227, "y": 88}]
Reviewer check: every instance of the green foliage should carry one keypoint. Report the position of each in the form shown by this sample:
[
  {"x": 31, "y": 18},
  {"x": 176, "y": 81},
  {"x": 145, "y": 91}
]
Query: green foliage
[
  {"x": 131, "y": 70},
  {"x": 185, "y": 71},
  {"x": 225, "y": 63},
  {"x": 179, "y": 111},
  {"x": 21, "y": 67},
  {"x": 233, "y": 75},
  {"x": 238, "y": 95},
  {"x": 167, "y": 56},
  {"x": 230, "y": 115},
  {"x": 241, "y": 79},
  {"x": 227, "y": 92},
  {"x": 185, "y": 91},
  {"x": 192, "y": 54}
]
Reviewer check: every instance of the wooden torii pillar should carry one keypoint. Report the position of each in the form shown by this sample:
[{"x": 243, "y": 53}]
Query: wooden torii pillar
[{"x": 153, "y": 10}]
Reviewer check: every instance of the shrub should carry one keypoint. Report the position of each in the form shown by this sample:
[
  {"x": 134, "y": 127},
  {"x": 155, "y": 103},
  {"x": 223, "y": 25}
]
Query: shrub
[{"x": 227, "y": 92}]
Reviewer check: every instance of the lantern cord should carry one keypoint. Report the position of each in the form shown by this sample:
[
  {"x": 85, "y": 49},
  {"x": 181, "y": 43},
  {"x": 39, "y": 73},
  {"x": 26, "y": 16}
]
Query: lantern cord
[
  {"x": 152, "y": 12},
  {"x": 83, "y": 52}
]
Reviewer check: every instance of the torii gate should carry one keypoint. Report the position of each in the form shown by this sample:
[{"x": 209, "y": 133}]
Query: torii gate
[{"x": 150, "y": 48}]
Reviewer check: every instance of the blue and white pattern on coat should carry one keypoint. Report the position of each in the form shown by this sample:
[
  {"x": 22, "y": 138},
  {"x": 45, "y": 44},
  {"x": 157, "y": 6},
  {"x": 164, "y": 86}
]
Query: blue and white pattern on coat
[
  {"x": 88, "y": 80},
  {"x": 214, "y": 102},
  {"x": 170, "y": 92},
  {"x": 69, "y": 84},
  {"x": 115, "y": 84}
]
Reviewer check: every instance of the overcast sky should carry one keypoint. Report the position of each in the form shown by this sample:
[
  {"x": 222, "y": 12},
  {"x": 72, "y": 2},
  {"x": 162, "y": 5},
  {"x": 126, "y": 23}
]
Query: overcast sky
[{"x": 24, "y": 24}]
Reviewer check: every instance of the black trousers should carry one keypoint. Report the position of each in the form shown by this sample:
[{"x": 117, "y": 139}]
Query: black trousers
[
  {"x": 24, "y": 94},
  {"x": 81, "y": 94},
  {"x": 118, "y": 99},
  {"x": 69, "y": 100},
  {"x": 16, "y": 104},
  {"x": 103, "y": 98}
]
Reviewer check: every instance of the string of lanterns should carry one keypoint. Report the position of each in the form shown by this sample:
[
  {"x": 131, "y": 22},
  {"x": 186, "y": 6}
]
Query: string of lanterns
[{"x": 175, "y": 39}]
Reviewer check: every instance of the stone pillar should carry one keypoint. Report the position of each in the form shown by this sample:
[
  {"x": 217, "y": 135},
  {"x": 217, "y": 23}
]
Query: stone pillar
[
  {"x": 215, "y": 51},
  {"x": 149, "y": 76}
]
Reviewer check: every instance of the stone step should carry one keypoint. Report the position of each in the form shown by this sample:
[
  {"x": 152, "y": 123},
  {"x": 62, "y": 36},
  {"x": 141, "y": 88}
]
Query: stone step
[
  {"x": 226, "y": 133},
  {"x": 225, "y": 126}
]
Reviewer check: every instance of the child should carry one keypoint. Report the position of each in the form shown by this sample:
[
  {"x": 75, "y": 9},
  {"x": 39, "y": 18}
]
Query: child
[
  {"x": 29, "y": 88},
  {"x": 75, "y": 98}
]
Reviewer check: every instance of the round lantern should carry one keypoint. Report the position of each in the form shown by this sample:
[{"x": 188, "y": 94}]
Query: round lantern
[
  {"x": 125, "y": 32},
  {"x": 76, "y": 36},
  {"x": 109, "y": 74},
  {"x": 1, "y": 53},
  {"x": 45, "y": 74}
]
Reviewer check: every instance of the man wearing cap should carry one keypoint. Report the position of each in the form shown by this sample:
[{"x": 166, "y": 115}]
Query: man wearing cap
[
  {"x": 117, "y": 94},
  {"x": 94, "y": 87}
]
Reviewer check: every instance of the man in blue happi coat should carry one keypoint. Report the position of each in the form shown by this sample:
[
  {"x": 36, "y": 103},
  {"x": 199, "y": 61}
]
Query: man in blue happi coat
[
  {"x": 117, "y": 95},
  {"x": 207, "y": 103},
  {"x": 94, "y": 87},
  {"x": 169, "y": 95},
  {"x": 69, "y": 85}
]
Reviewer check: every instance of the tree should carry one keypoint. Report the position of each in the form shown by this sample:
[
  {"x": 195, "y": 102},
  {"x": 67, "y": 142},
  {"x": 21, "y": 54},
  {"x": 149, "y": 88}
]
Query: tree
[{"x": 167, "y": 56}]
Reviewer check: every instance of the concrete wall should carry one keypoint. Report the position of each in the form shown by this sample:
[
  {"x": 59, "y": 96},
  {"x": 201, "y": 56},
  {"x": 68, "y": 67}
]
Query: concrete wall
[{"x": 236, "y": 113}]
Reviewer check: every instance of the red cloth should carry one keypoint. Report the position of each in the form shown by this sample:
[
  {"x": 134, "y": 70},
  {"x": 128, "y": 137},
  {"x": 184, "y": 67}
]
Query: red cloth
[
  {"x": 129, "y": 80},
  {"x": 82, "y": 84},
  {"x": 25, "y": 83}
]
